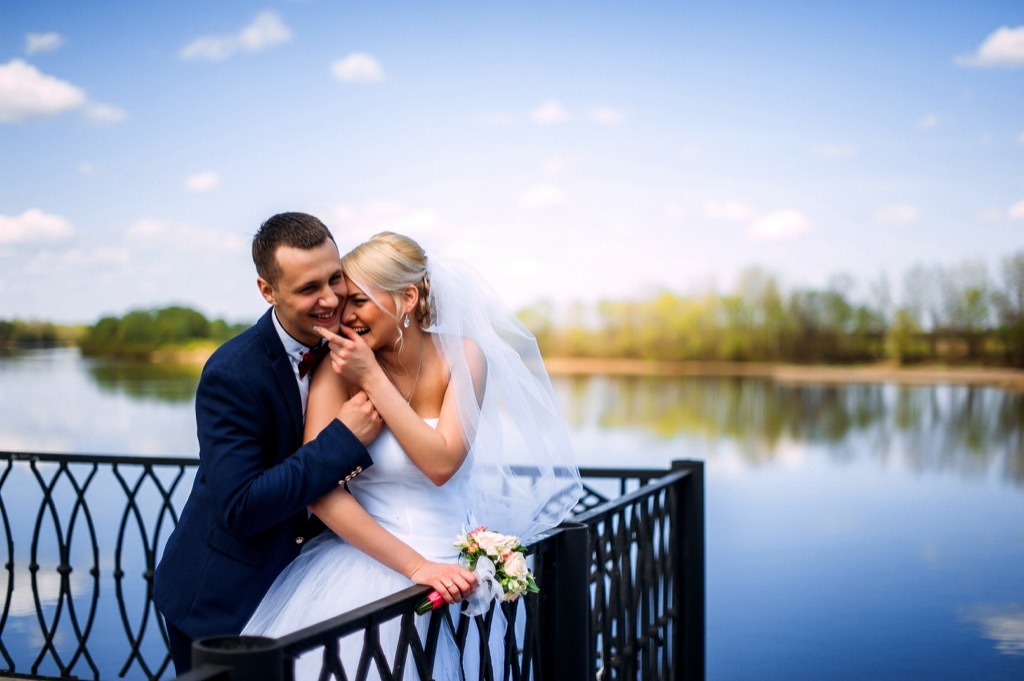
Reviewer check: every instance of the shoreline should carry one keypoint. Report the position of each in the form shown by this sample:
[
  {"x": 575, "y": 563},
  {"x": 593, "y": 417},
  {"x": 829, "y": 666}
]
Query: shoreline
[
  {"x": 1006, "y": 378},
  {"x": 796, "y": 374}
]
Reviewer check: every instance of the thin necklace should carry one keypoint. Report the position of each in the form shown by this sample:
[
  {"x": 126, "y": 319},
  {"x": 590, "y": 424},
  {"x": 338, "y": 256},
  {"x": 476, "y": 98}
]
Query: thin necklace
[{"x": 415, "y": 382}]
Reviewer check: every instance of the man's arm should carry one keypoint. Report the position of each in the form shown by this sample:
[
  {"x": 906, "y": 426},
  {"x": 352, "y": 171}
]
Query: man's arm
[{"x": 237, "y": 437}]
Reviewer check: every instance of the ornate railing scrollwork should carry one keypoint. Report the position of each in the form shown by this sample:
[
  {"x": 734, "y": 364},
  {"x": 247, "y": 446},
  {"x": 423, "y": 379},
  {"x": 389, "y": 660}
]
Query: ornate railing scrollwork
[{"x": 79, "y": 604}]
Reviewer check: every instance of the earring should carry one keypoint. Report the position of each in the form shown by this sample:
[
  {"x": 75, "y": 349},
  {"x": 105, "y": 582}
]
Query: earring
[{"x": 406, "y": 322}]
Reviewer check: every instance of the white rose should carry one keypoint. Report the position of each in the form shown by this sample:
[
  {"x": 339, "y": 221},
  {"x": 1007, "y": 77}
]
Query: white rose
[
  {"x": 516, "y": 589},
  {"x": 515, "y": 565},
  {"x": 493, "y": 543}
]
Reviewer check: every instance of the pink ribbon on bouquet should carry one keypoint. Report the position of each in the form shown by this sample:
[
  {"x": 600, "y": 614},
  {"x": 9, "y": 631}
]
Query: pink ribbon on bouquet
[{"x": 488, "y": 589}]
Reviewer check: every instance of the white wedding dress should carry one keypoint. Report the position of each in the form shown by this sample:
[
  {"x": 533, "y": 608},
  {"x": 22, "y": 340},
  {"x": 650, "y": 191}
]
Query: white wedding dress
[
  {"x": 517, "y": 427},
  {"x": 330, "y": 577}
]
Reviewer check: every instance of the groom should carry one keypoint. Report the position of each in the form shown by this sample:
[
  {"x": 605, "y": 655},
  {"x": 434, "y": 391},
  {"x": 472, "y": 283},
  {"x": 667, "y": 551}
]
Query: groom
[{"x": 245, "y": 518}]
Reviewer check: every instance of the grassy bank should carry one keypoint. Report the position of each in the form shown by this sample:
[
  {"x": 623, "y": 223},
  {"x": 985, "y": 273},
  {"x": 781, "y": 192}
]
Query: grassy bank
[
  {"x": 1009, "y": 379},
  {"x": 793, "y": 374}
]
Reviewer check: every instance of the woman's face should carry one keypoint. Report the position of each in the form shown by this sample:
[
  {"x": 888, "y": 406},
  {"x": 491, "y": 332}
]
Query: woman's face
[{"x": 358, "y": 312}]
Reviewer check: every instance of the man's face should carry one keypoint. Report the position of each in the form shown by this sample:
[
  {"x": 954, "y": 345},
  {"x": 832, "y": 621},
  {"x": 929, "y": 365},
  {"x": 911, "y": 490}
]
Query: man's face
[{"x": 309, "y": 290}]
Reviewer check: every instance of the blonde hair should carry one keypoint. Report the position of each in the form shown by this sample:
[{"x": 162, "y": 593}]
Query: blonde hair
[{"x": 390, "y": 262}]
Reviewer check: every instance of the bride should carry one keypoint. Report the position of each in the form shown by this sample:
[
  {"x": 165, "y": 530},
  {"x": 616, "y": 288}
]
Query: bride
[{"x": 463, "y": 393}]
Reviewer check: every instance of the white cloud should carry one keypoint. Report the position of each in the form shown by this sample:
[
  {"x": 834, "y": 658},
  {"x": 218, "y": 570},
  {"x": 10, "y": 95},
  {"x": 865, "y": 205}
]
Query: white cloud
[
  {"x": 557, "y": 166},
  {"x": 87, "y": 169},
  {"x": 728, "y": 211},
  {"x": 104, "y": 114},
  {"x": 358, "y": 67},
  {"x": 265, "y": 31},
  {"x": 606, "y": 115},
  {"x": 550, "y": 112},
  {"x": 27, "y": 93},
  {"x": 898, "y": 215},
  {"x": 1004, "y": 47},
  {"x": 541, "y": 196},
  {"x": 48, "y": 261},
  {"x": 379, "y": 215},
  {"x": 418, "y": 220},
  {"x": 202, "y": 182},
  {"x": 928, "y": 122},
  {"x": 838, "y": 152},
  {"x": 1016, "y": 211},
  {"x": 145, "y": 229},
  {"x": 152, "y": 234},
  {"x": 779, "y": 225},
  {"x": 774, "y": 226},
  {"x": 36, "y": 43},
  {"x": 33, "y": 225},
  {"x": 1020, "y": 138}
]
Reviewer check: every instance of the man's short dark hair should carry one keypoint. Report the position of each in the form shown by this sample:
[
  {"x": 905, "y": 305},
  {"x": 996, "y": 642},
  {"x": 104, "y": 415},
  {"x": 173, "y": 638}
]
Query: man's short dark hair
[{"x": 297, "y": 230}]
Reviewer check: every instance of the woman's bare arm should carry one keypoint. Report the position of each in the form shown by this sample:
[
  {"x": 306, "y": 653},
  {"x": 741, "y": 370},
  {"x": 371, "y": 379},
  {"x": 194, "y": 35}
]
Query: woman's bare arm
[
  {"x": 343, "y": 514},
  {"x": 438, "y": 452},
  {"x": 340, "y": 511}
]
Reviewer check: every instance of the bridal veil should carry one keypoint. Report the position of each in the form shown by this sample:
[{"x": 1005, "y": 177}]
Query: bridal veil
[{"x": 524, "y": 478}]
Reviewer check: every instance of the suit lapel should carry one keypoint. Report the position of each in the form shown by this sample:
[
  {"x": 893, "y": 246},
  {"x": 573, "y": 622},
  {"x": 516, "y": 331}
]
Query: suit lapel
[{"x": 284, "y": 375}]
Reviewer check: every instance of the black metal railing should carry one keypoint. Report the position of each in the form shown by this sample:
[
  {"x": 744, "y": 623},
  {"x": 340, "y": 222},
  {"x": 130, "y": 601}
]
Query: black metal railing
[
  {"x": 646, "y": 601},
  {"x": 622, "y": 586}
]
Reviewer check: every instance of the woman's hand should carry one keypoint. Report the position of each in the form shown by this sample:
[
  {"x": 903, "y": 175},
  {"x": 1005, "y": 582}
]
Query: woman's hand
[
  {"x": 451, "y": 580},
  {"x": 351, "y": 358}
]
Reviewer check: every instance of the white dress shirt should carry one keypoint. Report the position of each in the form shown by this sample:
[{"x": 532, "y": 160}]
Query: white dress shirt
[{"x": 295, "y": 350}]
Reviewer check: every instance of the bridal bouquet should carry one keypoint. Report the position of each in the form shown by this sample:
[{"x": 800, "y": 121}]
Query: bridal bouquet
[{"x": 499, "y": 562}]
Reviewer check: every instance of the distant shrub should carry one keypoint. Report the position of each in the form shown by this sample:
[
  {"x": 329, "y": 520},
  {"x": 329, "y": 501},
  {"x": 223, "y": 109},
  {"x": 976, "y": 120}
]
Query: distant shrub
[
  {"x": 140, "y": 332},
  {"x": 15, "y": 333}
]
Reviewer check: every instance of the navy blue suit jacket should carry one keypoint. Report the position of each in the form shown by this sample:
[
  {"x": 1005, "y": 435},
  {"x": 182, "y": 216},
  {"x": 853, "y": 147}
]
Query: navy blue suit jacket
[{"x": 246, "y": 518}]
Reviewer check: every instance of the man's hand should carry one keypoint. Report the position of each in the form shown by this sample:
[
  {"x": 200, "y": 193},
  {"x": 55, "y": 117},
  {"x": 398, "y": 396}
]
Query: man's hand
[{"x": 359, "y": 415}]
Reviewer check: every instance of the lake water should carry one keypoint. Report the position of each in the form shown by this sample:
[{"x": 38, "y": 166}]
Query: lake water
[{"x": 855, "y": 532}]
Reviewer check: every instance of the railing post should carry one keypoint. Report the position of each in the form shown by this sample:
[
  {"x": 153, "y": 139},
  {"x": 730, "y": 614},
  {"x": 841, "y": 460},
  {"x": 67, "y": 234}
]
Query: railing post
[
  {"x": 565, "y": 606},
  {"x": 689, "y": 634},
  {"x": 255, "y": 658}
]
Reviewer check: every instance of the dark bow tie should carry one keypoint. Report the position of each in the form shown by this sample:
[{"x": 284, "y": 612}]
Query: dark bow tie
[{"x": 311, "y": 358}]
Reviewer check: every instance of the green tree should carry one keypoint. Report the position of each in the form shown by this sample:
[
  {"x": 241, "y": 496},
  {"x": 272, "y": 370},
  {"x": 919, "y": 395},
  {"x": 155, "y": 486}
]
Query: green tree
[
  {"x": 180, "y": 324},
  {"x": 140, "y": 332},
  {"x": 965, "y": 295},
  {"x": 1009, "y": 303},
  {"x": 904, "y": 341}
]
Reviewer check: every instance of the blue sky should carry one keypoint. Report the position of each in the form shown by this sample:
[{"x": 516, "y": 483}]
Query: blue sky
[{"x": 571, "y": 151}]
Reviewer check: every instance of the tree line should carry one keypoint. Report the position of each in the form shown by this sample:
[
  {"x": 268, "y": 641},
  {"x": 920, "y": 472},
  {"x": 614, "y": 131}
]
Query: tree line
[
  {"x": 137, "y": 333},
  {"x": 16, "y": 332},
  {"x": 957, "y": 314},
  {"x": 140, "y": 332}
]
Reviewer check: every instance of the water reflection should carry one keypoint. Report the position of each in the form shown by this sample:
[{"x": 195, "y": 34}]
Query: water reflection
[
  {"x": 48, "y": 587},
  {"x": 1003, "y": 623},
  {"x": 145, "y": 380},
  {"x": 973, "y": 431},
  {"x": 823, "y": 537},
  {"x": 56, "y": 400}
]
